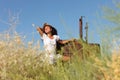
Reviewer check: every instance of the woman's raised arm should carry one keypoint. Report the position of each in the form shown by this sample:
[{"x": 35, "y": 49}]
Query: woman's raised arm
[{"x": 40, "y": 31}]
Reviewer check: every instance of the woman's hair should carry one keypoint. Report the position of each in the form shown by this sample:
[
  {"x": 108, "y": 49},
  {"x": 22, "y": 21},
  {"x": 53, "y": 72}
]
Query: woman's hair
[{"x": 54, "y": 31}]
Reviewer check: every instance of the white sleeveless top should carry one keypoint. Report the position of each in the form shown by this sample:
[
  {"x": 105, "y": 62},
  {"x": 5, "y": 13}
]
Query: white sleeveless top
[{"x": 50, "y": 44}]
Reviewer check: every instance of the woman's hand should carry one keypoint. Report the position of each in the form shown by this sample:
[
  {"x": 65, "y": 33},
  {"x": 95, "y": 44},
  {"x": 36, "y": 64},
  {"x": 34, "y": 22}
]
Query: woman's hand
[
  {"x": 40, "y": 30},
  {"x": 72, "y": 40}
]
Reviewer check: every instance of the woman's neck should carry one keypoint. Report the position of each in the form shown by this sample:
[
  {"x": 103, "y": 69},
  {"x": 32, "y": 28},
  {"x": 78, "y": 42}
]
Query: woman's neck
[{"x": 50, "y": 36}]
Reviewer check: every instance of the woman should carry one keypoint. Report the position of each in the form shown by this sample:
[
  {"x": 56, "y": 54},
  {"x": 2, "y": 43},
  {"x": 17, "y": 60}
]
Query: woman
[{"x": 50, "y": 38}]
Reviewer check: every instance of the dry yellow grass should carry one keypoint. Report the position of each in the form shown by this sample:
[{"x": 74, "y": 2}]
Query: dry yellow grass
[
  {"x": 109, "y": 66},
  {"x": 18, "y": 62}
]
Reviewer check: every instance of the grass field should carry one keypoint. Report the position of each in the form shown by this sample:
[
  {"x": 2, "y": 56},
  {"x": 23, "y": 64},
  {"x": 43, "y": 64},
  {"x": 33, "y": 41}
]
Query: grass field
[{"x": 20, "y": 61}]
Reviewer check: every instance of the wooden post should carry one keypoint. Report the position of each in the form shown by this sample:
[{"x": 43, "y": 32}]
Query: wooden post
[
  {"x": 81, "y": 27},
  {"x": 86, "y": 28}
]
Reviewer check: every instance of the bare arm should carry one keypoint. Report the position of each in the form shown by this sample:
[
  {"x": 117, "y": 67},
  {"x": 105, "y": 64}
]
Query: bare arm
[
  {"x": 65, "y": 41},
  {"x": 40, "y": 31}
]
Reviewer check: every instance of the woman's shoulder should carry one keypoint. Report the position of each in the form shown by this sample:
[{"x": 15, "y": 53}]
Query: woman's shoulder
[
  {"x": 56, "y": 36},
  {"x": 44, "y": 35}
]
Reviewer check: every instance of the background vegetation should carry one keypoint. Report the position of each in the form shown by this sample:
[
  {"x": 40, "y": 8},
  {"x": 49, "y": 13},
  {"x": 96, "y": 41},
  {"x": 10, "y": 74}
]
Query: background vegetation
[{"x": 21, "y": 61}]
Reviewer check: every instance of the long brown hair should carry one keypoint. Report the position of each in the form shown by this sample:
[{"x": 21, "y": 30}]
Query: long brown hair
[{"x": 54, "y": 31}]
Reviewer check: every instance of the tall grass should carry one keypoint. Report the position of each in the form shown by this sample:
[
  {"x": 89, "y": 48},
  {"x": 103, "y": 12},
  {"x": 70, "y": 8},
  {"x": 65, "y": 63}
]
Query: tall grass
[
  {"x": 18, "y": 62},
  {"x": 21, "y": 61}
]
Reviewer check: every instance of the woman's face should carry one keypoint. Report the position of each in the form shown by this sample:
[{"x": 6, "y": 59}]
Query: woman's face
[{"x": 47, "y": 29}]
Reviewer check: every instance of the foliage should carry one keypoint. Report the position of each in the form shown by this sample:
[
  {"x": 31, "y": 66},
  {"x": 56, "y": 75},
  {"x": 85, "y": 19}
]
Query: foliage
[{"x": 21, "y": 62}]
